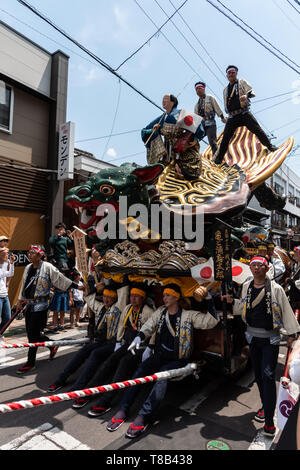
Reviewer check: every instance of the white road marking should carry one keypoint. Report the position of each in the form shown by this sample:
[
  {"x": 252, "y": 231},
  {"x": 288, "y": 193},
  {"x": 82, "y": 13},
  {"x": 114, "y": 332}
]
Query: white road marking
[
  {"x": 45, "y": 437},
  {"x": 6, "y": 363},
  {"x": 262, "y": 442}
]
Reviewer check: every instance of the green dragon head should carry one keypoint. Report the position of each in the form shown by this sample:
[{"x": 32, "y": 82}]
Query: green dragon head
[{"x": 106, "y": 187}]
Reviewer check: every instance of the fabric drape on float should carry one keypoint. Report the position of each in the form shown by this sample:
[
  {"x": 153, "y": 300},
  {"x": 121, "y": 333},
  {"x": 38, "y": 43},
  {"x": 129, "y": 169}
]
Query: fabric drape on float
[{"x": 23, "y": 189}]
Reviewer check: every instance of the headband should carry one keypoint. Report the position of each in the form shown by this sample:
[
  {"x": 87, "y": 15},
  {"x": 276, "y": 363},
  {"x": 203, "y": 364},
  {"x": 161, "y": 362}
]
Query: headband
[
  {"x": 199, "y": 85},
  {"x": 36, "y": 249},
  {"x": 136, "y": 291},
  {"x": 173, "y": 292},
  {"x": 259, "y": 259},
  {"x": 232, "y": 69},
  {"x": 110, "y": 293}
]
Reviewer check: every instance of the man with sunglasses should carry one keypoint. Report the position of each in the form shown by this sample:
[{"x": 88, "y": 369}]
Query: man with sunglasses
[
  {"x": 39, "y": 276},
  {"x": 237, "y": 96}
]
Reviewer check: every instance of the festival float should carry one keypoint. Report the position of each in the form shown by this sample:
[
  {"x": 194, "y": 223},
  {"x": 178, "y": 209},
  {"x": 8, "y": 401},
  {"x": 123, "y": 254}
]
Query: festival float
[{"x": 220, "y": 194}]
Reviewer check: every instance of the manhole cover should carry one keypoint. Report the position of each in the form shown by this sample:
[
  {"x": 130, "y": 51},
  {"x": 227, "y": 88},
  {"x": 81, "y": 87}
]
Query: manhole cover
[{"x": 217, "y": 445}]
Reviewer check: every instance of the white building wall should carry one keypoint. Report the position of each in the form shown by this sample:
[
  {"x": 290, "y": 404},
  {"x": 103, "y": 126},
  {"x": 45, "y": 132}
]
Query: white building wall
[{"x": 24, "y": 62}]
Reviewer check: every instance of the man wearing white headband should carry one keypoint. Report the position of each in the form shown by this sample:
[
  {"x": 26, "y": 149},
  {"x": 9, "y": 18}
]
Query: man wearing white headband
[
  {"x": 207, "y": 107},
  {"x": 38, "y": 278},
  {"x": 237, "y": 96},
  {"x": 265, "y": 309}
]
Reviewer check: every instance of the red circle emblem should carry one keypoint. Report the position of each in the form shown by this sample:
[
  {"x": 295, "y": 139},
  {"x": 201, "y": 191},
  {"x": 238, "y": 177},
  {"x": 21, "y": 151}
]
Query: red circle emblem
[
  {"x": 188, "y": 120},
  {"x": 206, "y": 272},
  {"x": 237, "y": 270}
]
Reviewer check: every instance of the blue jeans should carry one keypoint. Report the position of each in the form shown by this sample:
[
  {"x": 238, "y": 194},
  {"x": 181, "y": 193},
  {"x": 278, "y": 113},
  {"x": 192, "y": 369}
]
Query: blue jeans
[
  {"x": 5, "y": 313},
  {"x": 264, "y": 358},
  {"x": 93, "y": 354},
  {"x": 155, "y": 363}
]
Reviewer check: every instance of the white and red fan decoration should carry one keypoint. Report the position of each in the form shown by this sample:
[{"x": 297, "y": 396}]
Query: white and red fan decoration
[
  {"x": 189, "y": 121},
  {"x": 205, "y": 271}
]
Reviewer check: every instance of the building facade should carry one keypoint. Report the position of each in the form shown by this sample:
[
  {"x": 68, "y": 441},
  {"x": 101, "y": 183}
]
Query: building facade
[{"x": 33, "y": 102}]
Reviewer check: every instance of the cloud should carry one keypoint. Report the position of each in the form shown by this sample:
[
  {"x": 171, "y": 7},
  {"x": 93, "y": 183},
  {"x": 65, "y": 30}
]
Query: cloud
[
  {"x": 111, "y": 152},
  {"x": 90, "y": 73}
]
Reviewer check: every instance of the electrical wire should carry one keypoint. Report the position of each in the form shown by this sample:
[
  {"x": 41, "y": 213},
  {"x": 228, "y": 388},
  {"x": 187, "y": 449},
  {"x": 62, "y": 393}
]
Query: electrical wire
[
  {"x": 114, "y": 120},
  {"x": 273, "y": 106},
  {"x": 151, "y": 37},
  {"x": 198, "y": 40},
  {"x": 106, "y": 136},
  {"x": 293, "y": 6},
  {"x": 94, "y": 56},
  {"x": 284, "y": 13},
  {"x": 126, "y": 157},
  {"x": 272, "y": 97},
  {"x": 171, "y": 44},
  {"x": 284, "y": 125},
  {"x": 191, "y": 45},
  {"x": 259, "y": 35},
  {"x": 251, "y": 35}
]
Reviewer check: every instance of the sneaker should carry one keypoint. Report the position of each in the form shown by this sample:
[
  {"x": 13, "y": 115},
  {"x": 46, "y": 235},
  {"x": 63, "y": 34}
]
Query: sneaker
[
  {"x": 80, "y": 403},
  {"x": 53, "y": 351},
  {"x": 260, "y": 416},
  {"x": 269, "y": 430},
  {"x": 54, "y": 387},
  {"x": 116, "y": 421},
  {"x": 25, "y": 369},
  {"x": 96, "y": 411}
]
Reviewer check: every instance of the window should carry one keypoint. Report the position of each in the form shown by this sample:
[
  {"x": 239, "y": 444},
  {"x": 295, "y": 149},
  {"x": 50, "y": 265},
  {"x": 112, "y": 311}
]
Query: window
[
  {"x": 280, "y": 220},
  {"x": 6, "y": 107},
  {"x": 280, "y": 185},
  {"x": 297, "y": 198},
  {"x": 291, "y": 197}
]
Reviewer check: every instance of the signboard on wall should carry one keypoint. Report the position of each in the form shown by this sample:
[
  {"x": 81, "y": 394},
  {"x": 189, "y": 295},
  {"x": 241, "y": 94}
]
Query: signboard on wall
[
  {"x": 65, "y": 165},
  {"x": 21, "y": 257},
  {"x": 80, "y": 250}
]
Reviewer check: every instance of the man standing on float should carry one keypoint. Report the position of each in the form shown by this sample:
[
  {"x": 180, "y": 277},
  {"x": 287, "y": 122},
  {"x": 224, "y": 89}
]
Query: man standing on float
[
  {"x": 207, "y": 107},
  {"x": 237, "y": 96}
]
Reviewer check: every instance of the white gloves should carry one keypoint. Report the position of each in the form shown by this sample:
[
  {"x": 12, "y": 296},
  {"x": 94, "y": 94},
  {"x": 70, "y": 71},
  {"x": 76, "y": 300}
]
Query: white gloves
[
  {"x": 135, "y": 344},
  {"x": 117, "y": 346},
  {"x": 147, "y": 353},
  {"x": 295, "y": 370}
]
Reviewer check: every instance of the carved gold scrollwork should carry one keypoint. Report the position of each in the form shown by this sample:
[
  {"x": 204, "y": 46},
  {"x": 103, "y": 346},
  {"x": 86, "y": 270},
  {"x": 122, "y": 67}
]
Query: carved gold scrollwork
[{"x": 170, "y": 255}]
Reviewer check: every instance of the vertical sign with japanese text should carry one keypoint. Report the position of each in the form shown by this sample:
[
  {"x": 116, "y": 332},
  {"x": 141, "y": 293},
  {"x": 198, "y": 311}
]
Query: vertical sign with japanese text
[
  {"x": 80, "y": 251},
  {"x": 65, "y": 166},
  {"x": 222, "y": 254}
]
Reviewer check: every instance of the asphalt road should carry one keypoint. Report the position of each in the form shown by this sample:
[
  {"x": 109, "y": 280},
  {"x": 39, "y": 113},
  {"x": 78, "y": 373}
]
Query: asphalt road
[{"x": 213, "y": 412}]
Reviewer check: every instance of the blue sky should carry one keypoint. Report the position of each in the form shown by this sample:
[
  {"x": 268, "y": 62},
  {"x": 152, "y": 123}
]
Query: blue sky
[{"x": 112, "y": 29}]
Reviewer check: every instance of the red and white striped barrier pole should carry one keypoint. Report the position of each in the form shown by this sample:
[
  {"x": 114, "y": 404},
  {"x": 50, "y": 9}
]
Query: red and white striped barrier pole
[
  {"x": 45, "y": 344},
  {"x": 165, "y": 375}
]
